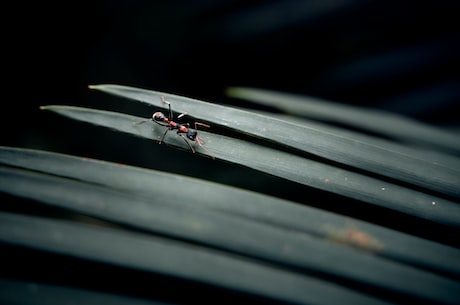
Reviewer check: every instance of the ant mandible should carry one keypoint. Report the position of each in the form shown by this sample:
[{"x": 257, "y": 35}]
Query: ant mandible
[{"x": 192, "y": 134}]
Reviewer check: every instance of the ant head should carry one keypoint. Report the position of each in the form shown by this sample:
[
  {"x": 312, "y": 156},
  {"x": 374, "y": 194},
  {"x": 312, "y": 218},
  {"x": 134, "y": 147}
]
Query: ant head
[{"x": 158, "y": 116}]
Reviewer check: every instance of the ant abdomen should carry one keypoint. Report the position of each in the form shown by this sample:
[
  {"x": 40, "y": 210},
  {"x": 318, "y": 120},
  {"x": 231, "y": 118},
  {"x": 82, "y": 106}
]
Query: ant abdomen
[{"x": 191, "y": 134}]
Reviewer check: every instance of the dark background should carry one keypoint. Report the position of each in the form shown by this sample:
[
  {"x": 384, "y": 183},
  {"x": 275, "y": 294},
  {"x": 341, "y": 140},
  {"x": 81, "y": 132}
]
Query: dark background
[{"x": 402, "y": 56}]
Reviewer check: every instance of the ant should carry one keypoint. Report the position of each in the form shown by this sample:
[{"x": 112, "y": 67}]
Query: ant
[{"x": 191, "y": 134}]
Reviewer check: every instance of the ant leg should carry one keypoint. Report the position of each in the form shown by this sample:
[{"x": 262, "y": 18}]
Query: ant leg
[
  {"x": 200, "y": 141},
  {"x": 163, "y": 100},
  {"x": 201, "y": 144},
  {"x": 182, "y": 114},
  {"x": 201, "y": 124},
  {"x": 161, "y": 123},
  {"x": 163, "y": 137},
  {"x": 190, "y": 146},
  {"x": 169, "y": 104}
]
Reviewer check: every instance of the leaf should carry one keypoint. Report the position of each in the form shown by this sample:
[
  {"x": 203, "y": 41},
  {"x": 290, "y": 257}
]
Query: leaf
[
  {"x": 433, "y": 175},
  {"x": 374, "y": 121},
  {"x": 239, "y": 222},
  {"x": 30, "y": 292},
  {"x": 288, "y": 166}
]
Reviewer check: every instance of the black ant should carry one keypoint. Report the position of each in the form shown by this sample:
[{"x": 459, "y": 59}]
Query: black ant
[{"x": 192, "y": 134}]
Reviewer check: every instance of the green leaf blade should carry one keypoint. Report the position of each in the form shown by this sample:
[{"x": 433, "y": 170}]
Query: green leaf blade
[
  {"x": 380, "y": 161},
  {"x": 374, "y": 121},
  {"x": 288, "y": 166},
  {"x": 170, "y": 218}
]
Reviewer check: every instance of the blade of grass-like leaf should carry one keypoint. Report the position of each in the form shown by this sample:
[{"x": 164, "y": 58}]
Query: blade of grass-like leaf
[
  {"x": 443, "y": 159},
  {"x": 18, "y": 292},
  {"x": 374, "y": 121},
  {"x": 288, "y": 166},
  {"x": 161, "y": 256},
  {"x": 245, "y": 238},
  {"x": 378, "y": 160},
  {"x": 207, "y": 196}
]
